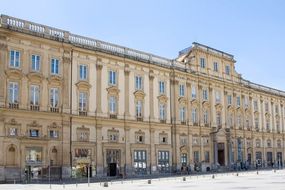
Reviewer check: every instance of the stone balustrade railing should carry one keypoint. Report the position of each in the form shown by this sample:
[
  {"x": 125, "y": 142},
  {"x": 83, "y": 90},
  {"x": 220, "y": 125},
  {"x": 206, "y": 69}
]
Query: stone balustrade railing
[{"x": 62, "y": 35}]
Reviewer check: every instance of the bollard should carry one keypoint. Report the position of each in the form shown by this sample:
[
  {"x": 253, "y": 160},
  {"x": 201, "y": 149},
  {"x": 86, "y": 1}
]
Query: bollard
[
  {"x": 184, "y": 178},
  {"x": 149, "y": 181},
  {"x": 105, "y": 184},
  {"x": 63, "y": 185},
  {"x": 213, "y": 176},
  {"x": 237, "y": 174},
  {"x": 257, "y": 172},
  {"x": 275, "y": 171},
  {"x": 14, "y": 181}
]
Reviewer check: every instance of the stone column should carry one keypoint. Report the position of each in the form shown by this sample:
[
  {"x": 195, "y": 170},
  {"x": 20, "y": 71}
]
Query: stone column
[
  {"x": 213, "y": 110},
  {"x": 127, "y": 91},
  {"x": 282, "y": 118},
  {"x": 99, "y": 67},
  {"x": 99, "y": 151},
  {"x": 3, "y": 60}
]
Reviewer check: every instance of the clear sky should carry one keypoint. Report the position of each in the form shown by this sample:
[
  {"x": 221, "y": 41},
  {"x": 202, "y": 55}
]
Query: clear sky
[{"x": 252, "y": 30}]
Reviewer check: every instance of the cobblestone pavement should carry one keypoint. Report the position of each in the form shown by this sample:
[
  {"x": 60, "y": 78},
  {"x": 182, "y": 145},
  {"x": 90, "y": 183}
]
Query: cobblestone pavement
[{"x": 230, "y": 181}]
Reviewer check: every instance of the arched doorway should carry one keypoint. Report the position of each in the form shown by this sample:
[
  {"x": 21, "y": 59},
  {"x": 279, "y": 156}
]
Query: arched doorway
[{"x": 11, "y": 156}]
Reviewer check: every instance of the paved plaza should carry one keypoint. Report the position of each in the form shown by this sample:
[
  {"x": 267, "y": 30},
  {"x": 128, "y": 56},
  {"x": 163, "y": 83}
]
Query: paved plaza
[{"x": 243, "y": 180}]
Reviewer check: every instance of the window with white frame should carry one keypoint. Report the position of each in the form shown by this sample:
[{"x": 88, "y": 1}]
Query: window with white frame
[
  {"x": 182, "y": 90},
  {"x": 139, "y": 83},
  {"x": 239, "y": 120},
  {"x": 202, "y": 63},
  {"x": 216, "y": 66},
  {"x": 255, "y": 105},
  {"x": 13, "y": 93},
  {"x": 182, "y": 114},
  {"x": 112, "y": 105},
  {"x": 35, "y": 63},
  {"x": 139, "y": 109},
  {"x": 194, "y": 115},
  {"x": 256, "y": 122},
  {"x": 218, "y": 97},
  {"x": 266, "y": 107},
  {"x": 227, "y": 70},
  {"x": 83, "y": 72},
  {"x": 246, "y": 101},
  {"x": 53, "y": 133},
  {"x": 229, "y": 97},
  {"x": 276, "y": 109},
  {"x": 112, "y": 77},
  {"x": 54, "y": 68},
  {"x": 82, "y": 101},
  {"x": 162, "y": 111},
  {"x": 219, "y": 118},
  {"x": 238, "y": 101},
  {"x": 206, "y": 117},
  {"x": 34, "y": 95},
  {"x": 193, "y": 92},
  {"x": 15, "y": 59},
  {"x": 54, "y": 97},
  {"x": 161, "y": 87},
  {"x": 205, "y": 94}
]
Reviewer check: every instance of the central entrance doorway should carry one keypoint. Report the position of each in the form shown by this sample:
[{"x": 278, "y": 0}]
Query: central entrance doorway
[
  {"x": 113, "y": 162},
  {"x": 221, "y": 154}
]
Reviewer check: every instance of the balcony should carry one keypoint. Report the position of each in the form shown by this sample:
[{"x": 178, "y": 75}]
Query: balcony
[
  {"x": 183, "y": 122},
  {"x": 54, "y": 109},
  {"x": 162, "y": 121},
  {"x": 113, "y": 116},
  {"x": 139, "y": 119},
  {"x": 83, "y": 113},
  {"x": 13, "y": 105},
  {"x": 34, "y": 107}
]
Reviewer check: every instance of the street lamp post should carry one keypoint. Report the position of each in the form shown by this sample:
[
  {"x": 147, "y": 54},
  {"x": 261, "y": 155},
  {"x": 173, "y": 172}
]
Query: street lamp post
[
  {"x": 49, "y": 175},
  {"x": 88, "y": 175}
]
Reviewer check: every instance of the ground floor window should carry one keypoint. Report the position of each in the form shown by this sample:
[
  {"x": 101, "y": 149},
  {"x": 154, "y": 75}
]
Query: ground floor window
[
  {"x": 258, "y": 157},
  {"x": 207, "y": 156},
  {"x": 163, "y": 161},
  {"x": 140, "y": 161},
  {"x": 269, "y": 159},
  {"x": 34, "y": 155},
  {"x": 183, "y": 159},
  {"x": 196, "y": 156}
]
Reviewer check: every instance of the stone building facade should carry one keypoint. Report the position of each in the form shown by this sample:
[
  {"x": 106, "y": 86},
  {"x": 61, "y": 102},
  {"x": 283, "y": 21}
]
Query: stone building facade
[{"x": 71, "y": 105}]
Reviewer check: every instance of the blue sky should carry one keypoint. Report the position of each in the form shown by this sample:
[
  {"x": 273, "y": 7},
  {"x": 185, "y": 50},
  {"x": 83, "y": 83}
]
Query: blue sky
[{"x": 252, "y": 30}]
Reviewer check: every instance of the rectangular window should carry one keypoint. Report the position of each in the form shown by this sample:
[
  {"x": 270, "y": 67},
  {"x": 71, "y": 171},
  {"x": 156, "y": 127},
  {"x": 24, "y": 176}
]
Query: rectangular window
[
  {"x": 34, "y": 133},
  {"x": 238, "y": 101},
  {"x": 196, "y": 156},
  {"x": 163, "y": 160},
  {"x": 182, "y": 113},
  {"x": 54, "y": 66},
  {"x": 139, "y": 83},
  {"x": 83, "y": 72},
  {"x": 35, "y": 63},
  {"x": 216, "y": 67},
  {"x": 13, "y": 93},
  {"x": 54, "y": 98},
  {"x": 13, "y": 131},
  {"x": 194, "y": 115},
  {"x": 207, "y": 156},
  {"x": 82, "y": 153},
  {"x": 112, "y": 77},
  {"x": 15, "y": 59},
  {"x": 162, "y": 112},
  {"x": 266, "y": 107},
  {"x": 227, "y": 70},
  {"x": 161, "y": 87},
  {"x": 218, "y": 97},
  {"x": 139, "y": 109},
  {"x": 255, "y": 105},
  {"x": 181, "y": 90},
  {"x": 34, "y": 95},
  {"x": 219, "y": 119},
  {"x": 82, "y": 101},
  {"x": 229, "y": 99},
  {"x": 205, "y": 94},
  {"x": 140, "y": 161},
  {"x": 193, "y": 90},
  {"x": 112, "y": 105},
  {"x": 202, "y": 63},
  {"x": 206, "y": 116},
  {"x": 53, "y": 134}
]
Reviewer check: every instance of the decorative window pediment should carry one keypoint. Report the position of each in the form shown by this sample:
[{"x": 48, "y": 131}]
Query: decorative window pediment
[
  {"x": 54, "y": 125},
  {"x": 162, "y": 98},
  {"x": 83, "y": 85},
  {"x": 35, "y": 77},
  {"x": 34, "y": 124},
  {"x": 182, "y": 100},
  {"x": 55, "y": 80},
  {"x": 163, "y": 138},
  {"x": 140, "y": 136},
  {"x": 219, "y": 107},
  {"x": 113, "y": 91},
  {"x": 139, "y": 94}
]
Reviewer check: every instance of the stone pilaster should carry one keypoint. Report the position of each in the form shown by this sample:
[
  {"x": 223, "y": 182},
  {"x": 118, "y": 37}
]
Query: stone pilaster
[
  {"x": 128, "y": 157},
  {"x": 66, "y": 81},
  {"x": 99, "y": 151},
  {"x": 153, "y": 166},
  {"x": 99, "y": 67},
  {"x": 3, "y": 60},
  {"x": 127, "y": 91},
  {"x": 151, "y": 102}
]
